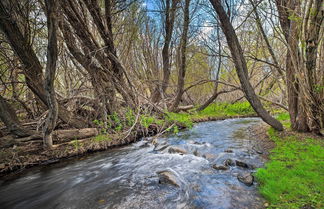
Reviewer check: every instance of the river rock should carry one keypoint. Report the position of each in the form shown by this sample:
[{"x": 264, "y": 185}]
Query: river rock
[
  {"x": 246, "y": 178},
  {"x": 166, "y": 177},
  {"x": 220, "y": 167},
  {"x": 241, "y": 164},
  {"x": 229, "y": 162},
  {"x": 177, "y": 150},
  {"x": 160, "y": 147},
  {"x": 196, "y": 153}
]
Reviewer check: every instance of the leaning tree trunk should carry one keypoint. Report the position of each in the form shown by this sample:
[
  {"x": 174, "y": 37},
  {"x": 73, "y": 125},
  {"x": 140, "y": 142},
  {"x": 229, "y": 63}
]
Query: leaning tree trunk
[
  {"x": 9, "y": 118},
  {"x": 241, "y": 67},
  {"x": 32, "y": 67},
  {"x": 51, "y": 8}
]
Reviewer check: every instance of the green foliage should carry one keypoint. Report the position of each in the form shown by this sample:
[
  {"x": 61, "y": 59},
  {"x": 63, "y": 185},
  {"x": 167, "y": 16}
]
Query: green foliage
[
  {"x": 293, "y": 178},
  {"x": 147, "y": 120},
  {"x": 101, "y": 125},
  {"x": 284, "y": 117},
  {"x": 183, "y": 119},
  {"x": 130, "y": 117},
  {"x": 227, "y": 109},
  {"x": 118, "y": 124},
  {"x": 101, "y": 137},
  {"x": 76, "y": 144}
]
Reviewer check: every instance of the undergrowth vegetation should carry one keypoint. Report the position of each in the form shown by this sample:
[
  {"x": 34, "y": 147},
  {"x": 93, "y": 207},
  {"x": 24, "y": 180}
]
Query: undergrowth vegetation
[
  {"x": 118, "y": 124},
  {"x": 293, "y": 178}
]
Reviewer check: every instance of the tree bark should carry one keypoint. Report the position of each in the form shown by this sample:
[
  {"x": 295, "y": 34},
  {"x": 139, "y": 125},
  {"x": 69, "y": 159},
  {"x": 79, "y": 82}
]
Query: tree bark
[
  {"x": 9, "y": 118},
  {"x": 183, "y": 49},
  {"x": 241, "y": 67},
  {"x": 32, "y": 67},
  {"x": 170, "y": 13},
  {"x": 52, "y": 54}
]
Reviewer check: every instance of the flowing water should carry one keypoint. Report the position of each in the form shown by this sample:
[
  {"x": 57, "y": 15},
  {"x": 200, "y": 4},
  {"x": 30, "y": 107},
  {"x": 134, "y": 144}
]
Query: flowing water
[{"x": 128, "y": 177}]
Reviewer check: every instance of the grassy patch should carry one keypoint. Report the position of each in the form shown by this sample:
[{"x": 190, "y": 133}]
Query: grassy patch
[
  {"x": 293, "y": 178},
  {"x": 101, "y": 137},
  {"x": 226, "y": 109},
  {"x": 284, "y": 118}
]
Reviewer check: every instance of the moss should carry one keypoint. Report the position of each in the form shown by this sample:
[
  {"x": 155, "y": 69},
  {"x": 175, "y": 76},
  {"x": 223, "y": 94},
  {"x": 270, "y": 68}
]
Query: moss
[{"x": 293, "y": 178}]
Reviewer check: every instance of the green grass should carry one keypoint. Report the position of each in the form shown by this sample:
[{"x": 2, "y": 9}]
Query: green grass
[
  {"x": 101, "y": 137},
  {"x": 294, "y": 176},
  {"x": 284, "y": 118},
  {"x": 226, "y": 109}
]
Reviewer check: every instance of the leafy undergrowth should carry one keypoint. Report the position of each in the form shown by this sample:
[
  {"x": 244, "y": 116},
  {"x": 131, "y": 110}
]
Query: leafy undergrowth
[
  {"x": 215, "y": 110},
  {"x": 293, "y": 178}
]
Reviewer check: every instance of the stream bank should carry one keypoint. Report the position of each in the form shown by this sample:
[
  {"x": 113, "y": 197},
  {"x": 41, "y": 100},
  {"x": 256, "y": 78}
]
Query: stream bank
[{"x": 16, "y": 159}]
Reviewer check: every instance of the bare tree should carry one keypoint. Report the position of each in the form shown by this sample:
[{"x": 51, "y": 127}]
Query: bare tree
[
  {"x": 170, "y": 13},
  {"x": 183, "y": 56},
  {"x": 52, "y": 14}
]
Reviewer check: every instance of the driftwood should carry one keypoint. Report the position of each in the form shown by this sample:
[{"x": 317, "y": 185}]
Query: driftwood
[
  {"x": 185, "y": 108},
  {"x": 58, "y": 136}
]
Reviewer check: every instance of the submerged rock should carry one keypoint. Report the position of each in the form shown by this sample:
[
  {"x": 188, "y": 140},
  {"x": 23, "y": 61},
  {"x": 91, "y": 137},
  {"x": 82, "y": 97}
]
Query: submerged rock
[
  {"x": 228, "y": 151},
  {"x": 196, "y": 153},
  {"x": 241, "y": 164},
  {"x": 246, "y": 178},
  {"x": 229, "y": 162},
  {"x": 177, "y": 150},
  {"x": 220, "y": 167},
  {"x": 160, "y": 147},
  {"x": 167, "y": 177}
]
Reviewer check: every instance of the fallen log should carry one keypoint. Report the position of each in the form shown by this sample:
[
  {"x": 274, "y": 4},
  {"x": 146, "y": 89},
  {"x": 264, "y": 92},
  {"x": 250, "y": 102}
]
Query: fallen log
[
  {"x": 185, "y": 108},
  {"x": 59, "y": 136}
]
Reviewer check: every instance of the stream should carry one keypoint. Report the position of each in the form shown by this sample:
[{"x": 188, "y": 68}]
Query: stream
[{"x": 129, "y": 177}]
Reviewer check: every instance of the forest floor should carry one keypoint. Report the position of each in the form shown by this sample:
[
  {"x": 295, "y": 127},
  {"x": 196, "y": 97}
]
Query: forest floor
[{"x": 15, "y": 159}]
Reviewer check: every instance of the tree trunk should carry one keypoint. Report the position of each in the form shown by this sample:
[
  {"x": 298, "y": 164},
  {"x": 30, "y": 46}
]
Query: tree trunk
[
  {"x": 32, "y": 67},
  {"x": 241, "y": 67},
  {"x": 183, "y": 48},
  {"x": 10, "y": 119},
  {"x": 52, "y": 54},
  {"x": 215, "y": 94},
  {"x": 169, "y": 24}
]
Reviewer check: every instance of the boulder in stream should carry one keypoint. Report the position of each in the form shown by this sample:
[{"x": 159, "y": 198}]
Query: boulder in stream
[
  {"x": 228, "y": 151},
  {"x": 220, "y": 167},
  {"x": 160, "y": 147},
  {"x": 246, "y": 178},
  {"x": 177, "y": 150},
  {"x": 241, "y": 164},
  {"x": 229, "y": 162},
  {"x": 167, "y": 177}
]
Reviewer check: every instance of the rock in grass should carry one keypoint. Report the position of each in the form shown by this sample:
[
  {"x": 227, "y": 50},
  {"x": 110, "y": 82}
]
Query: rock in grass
[
  {"x": 246, "y": 178},
  {"x": 166, "y": 177},
  {"x": 220, "y": 167},
  {"x": 177, "y": 150}
]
